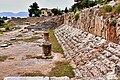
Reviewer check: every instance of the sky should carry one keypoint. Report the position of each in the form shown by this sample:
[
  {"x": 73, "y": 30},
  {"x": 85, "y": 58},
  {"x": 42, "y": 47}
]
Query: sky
[{"x": 23, "y": 5}]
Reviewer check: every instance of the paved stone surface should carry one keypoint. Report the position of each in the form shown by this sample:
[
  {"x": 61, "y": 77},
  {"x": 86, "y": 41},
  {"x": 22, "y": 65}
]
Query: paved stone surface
[
  {"x": 91, "y": 56},
  {"x": 26, "y": 78},
  {"x": 37, "y": 78}
]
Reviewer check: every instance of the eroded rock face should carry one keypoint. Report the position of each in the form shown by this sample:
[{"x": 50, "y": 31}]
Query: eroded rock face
[
  {"x": 90, "y": 21},
  {"x": 118, "y": 30},
  {"x": 91, "y": 56},
  {"x": 111, "y": 36}
]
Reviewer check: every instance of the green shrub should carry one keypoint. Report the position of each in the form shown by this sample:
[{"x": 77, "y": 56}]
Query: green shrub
[
  {"x": 77, "y": 16},
  {"x": 114, "y": 22},
  {"x": 117, "y": 8},
  {"x": 108, "y": 8},
  {"x": 1, "y": 22},
  {"x": 76, "y": 9}
]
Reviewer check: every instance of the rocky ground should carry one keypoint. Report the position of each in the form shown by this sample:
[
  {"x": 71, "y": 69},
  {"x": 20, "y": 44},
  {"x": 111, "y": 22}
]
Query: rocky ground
[{"x": 20, "y": 54}]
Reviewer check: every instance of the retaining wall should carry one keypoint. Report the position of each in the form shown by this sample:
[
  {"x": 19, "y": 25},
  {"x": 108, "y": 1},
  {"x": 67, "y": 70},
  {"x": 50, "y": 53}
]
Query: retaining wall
[
  {"x": 92, "y": 57},
  {"x": 90, "y": 21}
]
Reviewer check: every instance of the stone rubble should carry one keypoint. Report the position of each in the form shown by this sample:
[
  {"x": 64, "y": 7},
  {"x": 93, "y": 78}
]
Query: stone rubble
[{"x": 92, "y": 57}]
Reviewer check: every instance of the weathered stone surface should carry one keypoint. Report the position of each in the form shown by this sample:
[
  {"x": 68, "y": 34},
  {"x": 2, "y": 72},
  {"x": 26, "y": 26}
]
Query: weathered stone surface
[
  {"x": 46, "y": 36},
  {"x": 90, "y": 21},
  {"x": 47, "y": 48},
  {"x": 4, "y": 45},
  {"x": 2, "y": 29},
  {"x": 26, "y": 78},
  {"x": 48, "y": 24},
  {"x": 92, "y": 57},
  {"x": 13, "y": 39},
  {"x": 59, "y": 78},
  {"x": 37, "y": 78}
]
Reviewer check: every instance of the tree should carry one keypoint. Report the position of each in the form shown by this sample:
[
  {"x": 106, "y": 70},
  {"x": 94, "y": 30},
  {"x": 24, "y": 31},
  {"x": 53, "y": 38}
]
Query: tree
[
  {"x": 66, "y": 10},
  {"x": 80, "y": 5},
  {"x": 34, "y": 10},
  {"x": 60, "y": 12},
  {"x": 1, "y": 22},
  {"x": 76, "y": 0},
  {"x": 55, "y": 11},
  {"x": 4, "y": 18},
  {"x": 30, "y": 12},
  {"x": 75, "y": 9}
]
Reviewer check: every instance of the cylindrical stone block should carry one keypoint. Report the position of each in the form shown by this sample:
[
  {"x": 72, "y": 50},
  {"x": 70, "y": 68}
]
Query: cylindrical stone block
[
  {"x": 46, "y": 36},
  {"x": 46, "y": 48}
]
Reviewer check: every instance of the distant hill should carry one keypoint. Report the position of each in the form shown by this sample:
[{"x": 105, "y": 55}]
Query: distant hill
[{"x": 11, "y": 14}]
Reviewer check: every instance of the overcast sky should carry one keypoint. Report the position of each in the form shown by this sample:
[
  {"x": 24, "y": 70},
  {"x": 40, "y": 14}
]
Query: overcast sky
[{"x": 23, "y": 5}]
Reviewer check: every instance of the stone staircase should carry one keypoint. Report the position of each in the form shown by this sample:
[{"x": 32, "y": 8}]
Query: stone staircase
[{"x": 92, "y": 57}]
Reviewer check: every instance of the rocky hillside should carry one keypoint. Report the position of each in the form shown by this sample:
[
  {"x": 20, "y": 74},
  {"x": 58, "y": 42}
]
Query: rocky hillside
[
  {"x": 97, "y": 20},
  {"x": 49, "y": 24}
]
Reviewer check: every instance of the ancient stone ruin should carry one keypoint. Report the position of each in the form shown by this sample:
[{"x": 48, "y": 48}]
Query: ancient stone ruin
[
  {"x": 91, "y": 44},
  {"x": 92, "y": 57}
]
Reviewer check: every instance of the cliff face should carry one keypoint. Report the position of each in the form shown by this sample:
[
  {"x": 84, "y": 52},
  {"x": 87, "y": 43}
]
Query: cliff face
[{"x": 90, "y": 21}]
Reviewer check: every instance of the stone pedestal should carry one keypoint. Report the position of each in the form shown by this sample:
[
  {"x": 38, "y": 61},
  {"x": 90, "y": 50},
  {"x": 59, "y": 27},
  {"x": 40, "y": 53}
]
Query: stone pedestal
[
  {"x": 46, "y": 36},
  {"x": 47, "y": 48}
]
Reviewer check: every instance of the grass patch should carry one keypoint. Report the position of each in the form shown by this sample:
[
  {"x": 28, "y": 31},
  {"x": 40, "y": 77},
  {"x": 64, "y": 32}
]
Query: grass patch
[
  {"x": 56, "y": 47},
  {"x": 32, "y": 74},
  {"x": 35, "y": 33},
  {"x": 33, "y": 57},
  {"x": 20, "y": 35},
  {"x": 6, "y": 27},
  {"x": 11, "y": 58},
  {"x": 62, "y": 69},
  {"x": 32, "y": 39},
  {"x": 1, "y": 32},
  {"x": 3, "y": 58},
  {"x": 77, "y": 16}
]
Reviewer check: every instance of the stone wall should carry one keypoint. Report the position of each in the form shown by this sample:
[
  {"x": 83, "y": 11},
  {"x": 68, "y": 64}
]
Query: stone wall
[
  {"x": 92, "y": 57},
  {"x": 90, "y": 21}
]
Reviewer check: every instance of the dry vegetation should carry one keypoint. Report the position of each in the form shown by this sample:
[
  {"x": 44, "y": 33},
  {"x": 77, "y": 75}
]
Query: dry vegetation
[
  {"x": 3, "y": 58},
  {"x": 56, "y": 47},
  {"x": 62, "y": 69}
]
